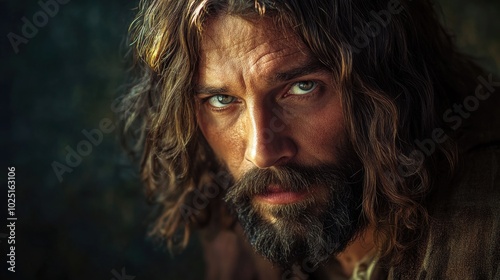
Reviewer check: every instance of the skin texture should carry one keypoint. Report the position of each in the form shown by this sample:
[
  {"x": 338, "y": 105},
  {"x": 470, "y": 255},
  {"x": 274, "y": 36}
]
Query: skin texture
[
  {"x": 264, "y": 101},
  {"x": 267, "y": 124}
]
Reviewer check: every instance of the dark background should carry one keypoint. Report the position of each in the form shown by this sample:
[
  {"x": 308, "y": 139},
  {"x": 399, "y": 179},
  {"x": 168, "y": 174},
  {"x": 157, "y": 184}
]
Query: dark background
[{"x": 64, "y": 80}]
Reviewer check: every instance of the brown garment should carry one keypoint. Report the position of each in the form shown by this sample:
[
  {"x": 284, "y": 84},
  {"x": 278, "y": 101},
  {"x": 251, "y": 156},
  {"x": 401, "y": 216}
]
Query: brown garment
[{"x": 464, "y": 238}]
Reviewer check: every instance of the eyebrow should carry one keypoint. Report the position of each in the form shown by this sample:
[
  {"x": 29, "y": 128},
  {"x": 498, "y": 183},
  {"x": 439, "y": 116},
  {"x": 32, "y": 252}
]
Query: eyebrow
[
  {"x": 210, "y": 90},
  {"x": 310, "y": 67}
]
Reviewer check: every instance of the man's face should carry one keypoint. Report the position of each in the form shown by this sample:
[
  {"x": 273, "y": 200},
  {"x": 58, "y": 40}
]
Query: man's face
[{"x": 273, "y": 116}]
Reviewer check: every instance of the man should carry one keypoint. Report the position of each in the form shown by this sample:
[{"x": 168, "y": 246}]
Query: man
[{"x": 317, "y": 139}]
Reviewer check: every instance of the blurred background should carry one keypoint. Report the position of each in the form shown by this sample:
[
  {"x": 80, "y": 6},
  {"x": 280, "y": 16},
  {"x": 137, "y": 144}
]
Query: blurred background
[{"x": 90, "y": 221}]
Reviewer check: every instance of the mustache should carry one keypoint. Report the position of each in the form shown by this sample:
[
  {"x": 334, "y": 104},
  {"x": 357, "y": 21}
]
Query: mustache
[{"x": 291, "y": 177}]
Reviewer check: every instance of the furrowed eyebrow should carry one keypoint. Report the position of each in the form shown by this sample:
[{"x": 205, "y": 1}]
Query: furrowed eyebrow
[
  {"x": 210, "y": 90},
  {"x": 309, "y": 68}
]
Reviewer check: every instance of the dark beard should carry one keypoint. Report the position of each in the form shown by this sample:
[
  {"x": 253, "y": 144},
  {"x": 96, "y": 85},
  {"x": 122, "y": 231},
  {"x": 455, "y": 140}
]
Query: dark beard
[{"x": 307, "y": 231}]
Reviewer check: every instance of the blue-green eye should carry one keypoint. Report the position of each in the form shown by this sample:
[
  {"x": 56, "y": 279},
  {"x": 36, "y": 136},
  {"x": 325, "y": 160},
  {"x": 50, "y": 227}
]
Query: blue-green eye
[
  {"x": 303, "y": 87},
  {"x": 220, "y": 100}
]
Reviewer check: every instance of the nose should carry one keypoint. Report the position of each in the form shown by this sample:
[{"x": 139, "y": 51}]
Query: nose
[{"x": 269, "y": 142}]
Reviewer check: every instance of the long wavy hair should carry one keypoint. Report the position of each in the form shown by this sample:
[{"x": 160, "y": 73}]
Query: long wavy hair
[{"x": 394, "y": 88}]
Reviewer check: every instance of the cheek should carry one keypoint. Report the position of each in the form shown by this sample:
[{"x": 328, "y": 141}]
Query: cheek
[
  {"x": 333, "y": 136},
  {"x": 226, "y": 142},
  {"x": 323, "y": 134}
]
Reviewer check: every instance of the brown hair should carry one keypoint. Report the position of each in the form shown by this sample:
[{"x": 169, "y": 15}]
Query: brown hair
[{"x": 394, "y": 88}]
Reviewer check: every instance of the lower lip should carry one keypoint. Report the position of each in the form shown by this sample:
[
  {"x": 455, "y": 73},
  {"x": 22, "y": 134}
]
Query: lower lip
[{"x": 284, "y": 197}]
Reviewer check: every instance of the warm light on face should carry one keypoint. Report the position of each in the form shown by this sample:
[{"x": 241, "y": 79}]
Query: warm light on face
[{"x": 263, "y": 100}]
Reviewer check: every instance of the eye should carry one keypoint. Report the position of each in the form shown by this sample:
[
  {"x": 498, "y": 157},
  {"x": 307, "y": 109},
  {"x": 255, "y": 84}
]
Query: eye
[
  {"x": 303, "y": 87},
  {"x": 220, "y": 100}
]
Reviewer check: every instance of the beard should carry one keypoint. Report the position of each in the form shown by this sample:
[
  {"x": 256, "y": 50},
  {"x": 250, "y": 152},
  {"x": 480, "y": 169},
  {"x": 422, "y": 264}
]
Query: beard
[{"x": 310, "y": 230}]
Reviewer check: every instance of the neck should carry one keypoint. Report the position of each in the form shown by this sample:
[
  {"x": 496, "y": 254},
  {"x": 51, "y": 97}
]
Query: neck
[{"x": 360, "y": 247}]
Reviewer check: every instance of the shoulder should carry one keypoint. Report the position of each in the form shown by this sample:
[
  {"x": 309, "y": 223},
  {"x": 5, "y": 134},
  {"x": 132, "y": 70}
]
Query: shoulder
[
  {"x": 477, "y": 187},
  {"x": 464, "y": 236}
]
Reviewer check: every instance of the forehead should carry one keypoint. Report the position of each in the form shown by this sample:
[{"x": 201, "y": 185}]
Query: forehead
[
  {"x": 256, "y": 45},
  {"x": 237, "y": 33}
]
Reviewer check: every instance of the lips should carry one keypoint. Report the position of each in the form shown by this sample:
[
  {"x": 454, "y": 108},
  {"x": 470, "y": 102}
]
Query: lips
[{"x": 277, "y": 195}]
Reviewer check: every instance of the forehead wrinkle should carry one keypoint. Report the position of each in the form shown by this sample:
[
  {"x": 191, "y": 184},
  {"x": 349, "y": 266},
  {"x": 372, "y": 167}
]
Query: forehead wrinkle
[
  {"x": 248, "y": 33},
  {"x": 264, "y": 43},
  {"x": 277, "y": 62},
  {"x": 242, "y": 48}
]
